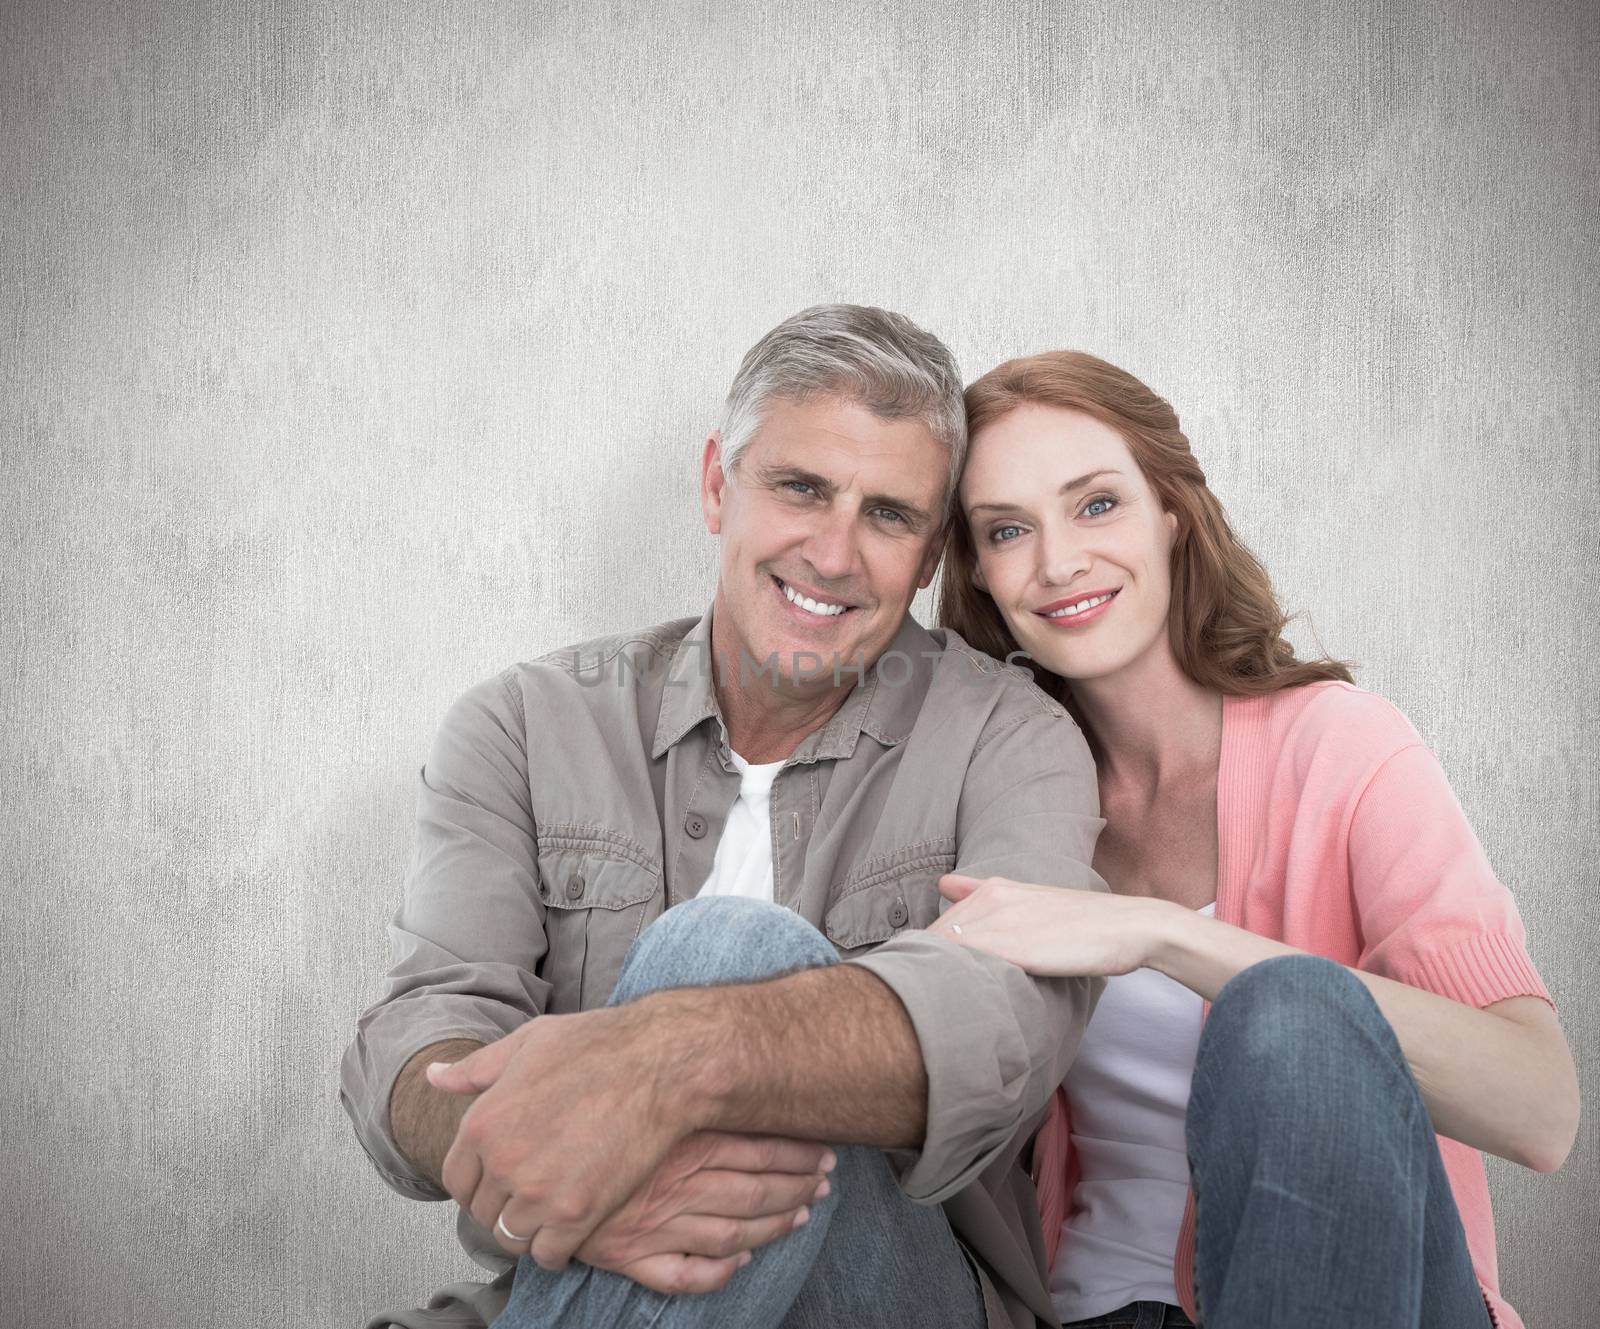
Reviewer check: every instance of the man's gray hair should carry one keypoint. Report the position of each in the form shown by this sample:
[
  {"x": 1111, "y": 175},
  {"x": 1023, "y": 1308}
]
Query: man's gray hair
[{"x": 877, "y": 359}]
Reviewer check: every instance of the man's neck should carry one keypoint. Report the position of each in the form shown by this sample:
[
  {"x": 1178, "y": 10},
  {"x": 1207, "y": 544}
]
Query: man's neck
[
  {"x": 767, "y": 723},
  {"x": 767, "y": 718}
]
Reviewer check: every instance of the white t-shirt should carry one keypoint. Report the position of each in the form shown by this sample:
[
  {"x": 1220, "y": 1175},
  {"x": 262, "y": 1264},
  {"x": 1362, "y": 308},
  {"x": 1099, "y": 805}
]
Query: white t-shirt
[
  {"x": 1127, "y": 1093},
  {"x": 743, "y": 865}
]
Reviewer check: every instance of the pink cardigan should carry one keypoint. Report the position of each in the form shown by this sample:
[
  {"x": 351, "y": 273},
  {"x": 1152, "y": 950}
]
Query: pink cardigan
[{"x": 1339, "y": 835}]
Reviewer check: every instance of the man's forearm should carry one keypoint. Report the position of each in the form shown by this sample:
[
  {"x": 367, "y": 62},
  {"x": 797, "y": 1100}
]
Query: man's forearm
[
  {"x": 424, "y": 1119},
  {"x": 826, "y": 1054}
]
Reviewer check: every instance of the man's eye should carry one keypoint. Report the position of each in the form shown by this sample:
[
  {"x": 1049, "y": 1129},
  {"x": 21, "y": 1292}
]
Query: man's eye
[
  {"x": 891, "y": 514},
  {"x": 1000, "y": 534},
  {"x": 1098, "y": 507},
  {"x": 799, "y": 487}
]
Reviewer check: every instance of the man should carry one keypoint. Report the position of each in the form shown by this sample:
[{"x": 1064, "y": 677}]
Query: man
[{"x": 809, "y": 749}]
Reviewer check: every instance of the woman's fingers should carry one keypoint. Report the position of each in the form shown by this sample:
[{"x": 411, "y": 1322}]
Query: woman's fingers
[{"x": 956, "y": 887}]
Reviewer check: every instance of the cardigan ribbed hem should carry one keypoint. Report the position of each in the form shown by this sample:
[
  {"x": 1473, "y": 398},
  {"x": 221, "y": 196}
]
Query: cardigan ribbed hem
[{"x": 1480, "y": 970}]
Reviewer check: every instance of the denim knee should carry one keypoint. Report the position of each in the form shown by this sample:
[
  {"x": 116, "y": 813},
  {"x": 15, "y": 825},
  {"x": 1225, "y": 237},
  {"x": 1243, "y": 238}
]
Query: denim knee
[
  {"x": 721, "y": 939},
  {"x": 1281, "y": 1019}
]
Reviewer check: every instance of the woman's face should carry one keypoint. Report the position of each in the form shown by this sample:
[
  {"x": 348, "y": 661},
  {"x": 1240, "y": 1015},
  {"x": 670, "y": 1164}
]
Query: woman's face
[{"x": 1072, "y": 542}]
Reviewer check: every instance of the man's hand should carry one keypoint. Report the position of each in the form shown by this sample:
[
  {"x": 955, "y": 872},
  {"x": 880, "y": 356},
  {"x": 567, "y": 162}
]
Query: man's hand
[
  {"x": 574, "y": 1114},
  {"x": 713, "y": 1200}
]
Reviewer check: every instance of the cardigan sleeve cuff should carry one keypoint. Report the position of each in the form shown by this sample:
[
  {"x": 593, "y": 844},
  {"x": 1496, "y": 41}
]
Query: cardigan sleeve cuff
[{"x": 1482, "y": 969}]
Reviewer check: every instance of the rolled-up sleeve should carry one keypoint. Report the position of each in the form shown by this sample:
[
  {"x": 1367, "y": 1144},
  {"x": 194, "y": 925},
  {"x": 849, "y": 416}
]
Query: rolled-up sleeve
[
  {"x": 996, "y": 1042},
  {"x": 469, "y": 934}
]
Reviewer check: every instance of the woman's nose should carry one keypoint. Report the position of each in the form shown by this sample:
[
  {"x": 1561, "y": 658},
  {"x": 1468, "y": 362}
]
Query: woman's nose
[{"x": 1062, "y": 557}]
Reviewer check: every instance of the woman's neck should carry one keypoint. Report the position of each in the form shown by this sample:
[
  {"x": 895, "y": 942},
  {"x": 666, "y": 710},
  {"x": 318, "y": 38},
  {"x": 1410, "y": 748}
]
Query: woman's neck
[{"x": 1151, "y": 723}]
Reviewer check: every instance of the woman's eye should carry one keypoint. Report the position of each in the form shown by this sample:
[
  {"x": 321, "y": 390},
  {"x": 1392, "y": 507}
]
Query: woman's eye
[
  {"x": 1001, "y": 534},
  {"x": 1098, "y": 507}
]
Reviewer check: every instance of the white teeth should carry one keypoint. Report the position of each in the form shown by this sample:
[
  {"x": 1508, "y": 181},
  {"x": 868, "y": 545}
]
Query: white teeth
[
  {"x": 806, "y": 602},
  {"x": 1082, "y": 606}
]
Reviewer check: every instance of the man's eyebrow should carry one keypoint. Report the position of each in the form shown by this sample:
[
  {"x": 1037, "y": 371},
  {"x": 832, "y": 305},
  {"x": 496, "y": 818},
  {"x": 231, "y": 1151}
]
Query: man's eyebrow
[
  {"x": 778, "y": 474},
  {"x": 914, "y": 513},
  {"x": 1060, "y": 493}
]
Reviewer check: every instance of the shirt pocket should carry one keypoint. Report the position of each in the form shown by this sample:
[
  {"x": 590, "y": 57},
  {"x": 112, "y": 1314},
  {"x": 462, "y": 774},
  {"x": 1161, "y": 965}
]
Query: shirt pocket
[
  {"x": 887, "y": 894},
  {"x": 599, "y": 889}
]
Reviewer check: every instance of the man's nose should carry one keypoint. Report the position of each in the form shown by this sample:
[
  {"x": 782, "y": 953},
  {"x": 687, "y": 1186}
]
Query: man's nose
[{"x": 831, "y": 547}]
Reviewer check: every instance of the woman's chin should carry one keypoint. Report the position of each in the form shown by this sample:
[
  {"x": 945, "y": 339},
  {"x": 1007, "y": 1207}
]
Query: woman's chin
[{"x": 1074, "y": 666}]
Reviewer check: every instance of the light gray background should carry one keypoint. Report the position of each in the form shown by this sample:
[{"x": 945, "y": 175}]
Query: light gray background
[{"x": 350, "y": 352}]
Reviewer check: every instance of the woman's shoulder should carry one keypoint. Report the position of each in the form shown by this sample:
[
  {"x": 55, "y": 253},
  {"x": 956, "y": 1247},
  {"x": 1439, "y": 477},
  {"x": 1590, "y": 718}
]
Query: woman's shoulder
[{"x": 1331, "y": 728}]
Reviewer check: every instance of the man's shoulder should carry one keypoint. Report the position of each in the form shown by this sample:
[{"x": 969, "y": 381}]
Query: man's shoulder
[
  {"x": 591, "y": 675},
  {"x": 1005, "y": 693},
  {"x": 642, "y": 648}
]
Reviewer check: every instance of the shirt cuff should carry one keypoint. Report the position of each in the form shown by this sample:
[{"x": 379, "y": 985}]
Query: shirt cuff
[
  {"x": 995, "y": 1043},
  {"x": 388, "y": 1038}
]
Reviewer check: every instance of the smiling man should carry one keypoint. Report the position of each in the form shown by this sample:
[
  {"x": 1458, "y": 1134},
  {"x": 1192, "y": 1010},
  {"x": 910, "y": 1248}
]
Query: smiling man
[{"x": 618, "y": 1031}]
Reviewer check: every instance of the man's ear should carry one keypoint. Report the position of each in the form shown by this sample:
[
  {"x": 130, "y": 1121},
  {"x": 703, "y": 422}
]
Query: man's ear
[{"x": 713, "y": 482}]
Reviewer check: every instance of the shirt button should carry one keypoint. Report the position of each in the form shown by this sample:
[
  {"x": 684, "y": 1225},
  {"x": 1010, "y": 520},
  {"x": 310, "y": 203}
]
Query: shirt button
[
  {"x": 695, "y": 825},
  {"x": 575, "y": 886},
  {"x": 897, "y": 914}
]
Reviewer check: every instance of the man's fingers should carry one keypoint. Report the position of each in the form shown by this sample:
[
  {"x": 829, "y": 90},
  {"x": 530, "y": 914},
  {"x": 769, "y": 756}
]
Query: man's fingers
[
  {"x": 707, "y": 1236},
  {"x": 487, "y": 1205},
  {"x": 462, "y": 1172},
  {"x": 730, "y": 1194},
  {"x": 719, "y": 1238},
  {"x": 555, "y": 1244},
  {"x": 472, "y": 1074},
  {"x": 677, "y": 1274},
  {"x": 763, "y": 1153}
]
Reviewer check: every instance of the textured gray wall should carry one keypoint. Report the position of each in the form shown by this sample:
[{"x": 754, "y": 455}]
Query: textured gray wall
[{"x": 349, "y": 352}]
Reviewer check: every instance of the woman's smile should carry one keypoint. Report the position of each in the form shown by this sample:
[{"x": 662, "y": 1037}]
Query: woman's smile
[{"x": 1078, "y": 611}]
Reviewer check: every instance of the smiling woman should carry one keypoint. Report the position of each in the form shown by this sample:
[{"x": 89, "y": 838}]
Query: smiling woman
[
  {"x": 1045, "y": 412},
  {"x": 1283, "y": 852}
]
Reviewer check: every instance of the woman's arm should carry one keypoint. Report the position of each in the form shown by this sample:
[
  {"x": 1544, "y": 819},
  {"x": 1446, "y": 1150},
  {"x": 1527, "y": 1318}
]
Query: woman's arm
[{"x": 1499, "y": 1079}]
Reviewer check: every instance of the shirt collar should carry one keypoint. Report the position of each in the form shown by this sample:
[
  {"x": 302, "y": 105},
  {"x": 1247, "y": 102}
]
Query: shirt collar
[{"x": 883, "y": 705}]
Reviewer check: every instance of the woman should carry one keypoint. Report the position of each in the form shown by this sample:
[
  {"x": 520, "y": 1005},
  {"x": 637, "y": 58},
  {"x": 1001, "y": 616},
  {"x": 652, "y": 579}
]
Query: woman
[{"x": 1257, "y": 807}]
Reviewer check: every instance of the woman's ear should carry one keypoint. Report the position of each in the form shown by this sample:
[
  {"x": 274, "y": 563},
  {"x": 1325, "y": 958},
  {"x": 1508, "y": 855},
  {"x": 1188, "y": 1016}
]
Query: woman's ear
[
  {"x": 977, "y": 577},
  {"x": 1171, "y": 518}
]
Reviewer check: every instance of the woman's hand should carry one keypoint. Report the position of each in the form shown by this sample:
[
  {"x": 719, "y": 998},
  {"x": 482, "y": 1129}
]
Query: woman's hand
[{"x": 1051, "y": 931}]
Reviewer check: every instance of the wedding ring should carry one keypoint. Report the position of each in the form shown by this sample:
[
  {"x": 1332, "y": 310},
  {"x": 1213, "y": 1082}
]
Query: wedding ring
[{"x": 507, "y": 1233}]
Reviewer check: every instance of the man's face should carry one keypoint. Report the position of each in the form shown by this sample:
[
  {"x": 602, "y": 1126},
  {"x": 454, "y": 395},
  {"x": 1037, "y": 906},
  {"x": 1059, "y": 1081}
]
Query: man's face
[{"x": 829, "y": 527}]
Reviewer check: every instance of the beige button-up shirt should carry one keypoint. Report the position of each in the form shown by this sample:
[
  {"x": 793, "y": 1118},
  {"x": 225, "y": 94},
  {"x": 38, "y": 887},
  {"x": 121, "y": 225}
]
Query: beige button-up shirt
[{"x": 566, "y": 802}]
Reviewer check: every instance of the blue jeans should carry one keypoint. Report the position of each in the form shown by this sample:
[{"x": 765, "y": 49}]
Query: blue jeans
[
  {"x": 1321, "y": 1199},
  {"x": 867, "y": 1257},
  {"x": 1138, "y": 1315}
]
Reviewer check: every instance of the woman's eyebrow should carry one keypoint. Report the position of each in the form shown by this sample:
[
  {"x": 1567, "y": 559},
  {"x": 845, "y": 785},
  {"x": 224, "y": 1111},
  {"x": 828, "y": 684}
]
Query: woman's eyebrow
[{"x": 1060, "y": 493}]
